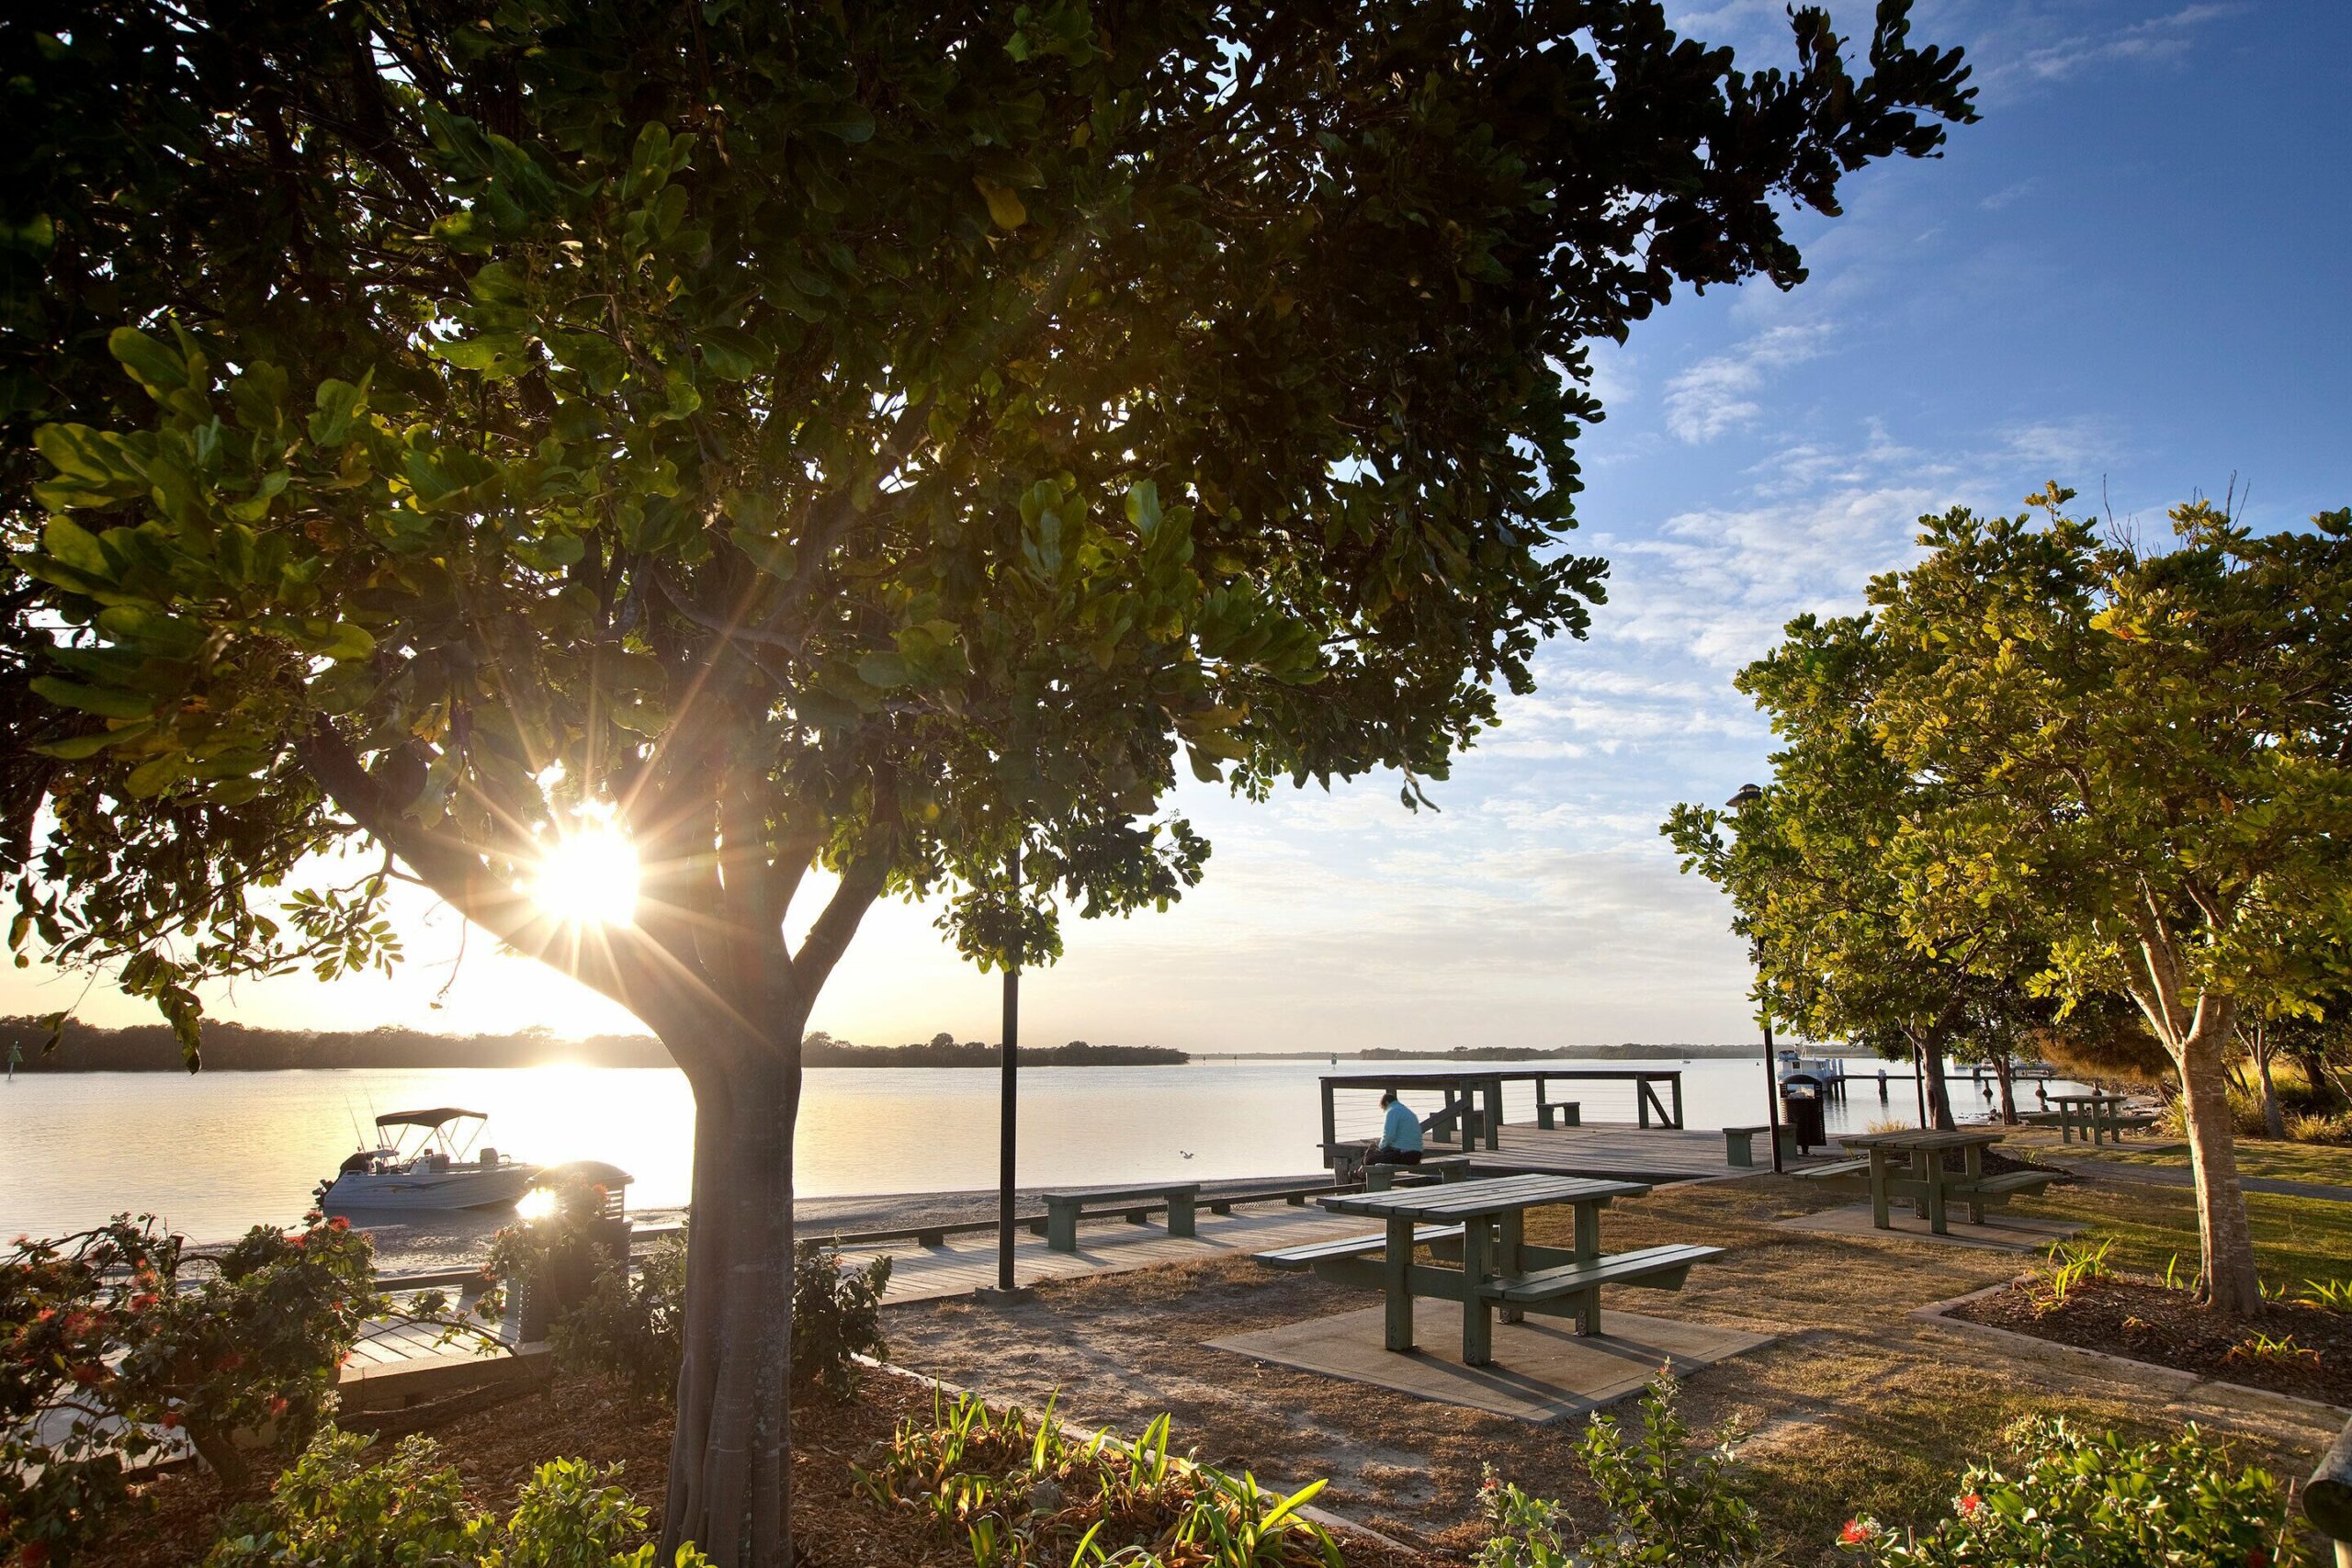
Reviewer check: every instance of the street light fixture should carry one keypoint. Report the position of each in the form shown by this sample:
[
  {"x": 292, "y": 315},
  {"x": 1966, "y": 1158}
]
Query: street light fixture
[{"x": 1748, "y": 796}]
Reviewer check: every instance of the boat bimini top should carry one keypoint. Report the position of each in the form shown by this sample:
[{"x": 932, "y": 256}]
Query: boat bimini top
[{"x": 438, "y": 1116}]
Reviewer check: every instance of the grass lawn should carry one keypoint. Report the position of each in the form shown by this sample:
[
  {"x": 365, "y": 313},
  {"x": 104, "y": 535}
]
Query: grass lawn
[
  {"x": 2323, "y": 1163},
  {"x": 2295, "y": 1239}
]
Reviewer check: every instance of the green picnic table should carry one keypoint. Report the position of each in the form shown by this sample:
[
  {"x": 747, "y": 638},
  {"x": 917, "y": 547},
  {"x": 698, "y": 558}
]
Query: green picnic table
[
  {"x": 2093, "y": 1112},
  {"x": 1483, "y": 1224},
  {"x": 1921, "y": 1177}
]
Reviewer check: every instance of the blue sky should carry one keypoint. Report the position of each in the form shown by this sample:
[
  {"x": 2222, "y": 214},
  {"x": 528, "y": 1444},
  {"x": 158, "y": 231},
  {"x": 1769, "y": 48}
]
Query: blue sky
[{"x": 2132, "y": 277}]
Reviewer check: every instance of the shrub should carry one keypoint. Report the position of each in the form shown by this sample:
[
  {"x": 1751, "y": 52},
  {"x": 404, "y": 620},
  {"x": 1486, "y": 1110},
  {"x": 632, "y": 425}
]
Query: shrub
[
  {"x": 2071, "y": 1499},
  {"x": 630, "y": 1327},
  {"x": 335, "y": 1509},
  {"x": 2072, "y": 1264},
  {"x": 836, "y": 1318},
  {"x": 125, "y": 1324},
  {"x": 1664, "y": 1505}
]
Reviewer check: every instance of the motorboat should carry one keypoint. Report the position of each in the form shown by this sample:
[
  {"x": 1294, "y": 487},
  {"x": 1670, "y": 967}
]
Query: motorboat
[{"x": 427, "y": 1159}]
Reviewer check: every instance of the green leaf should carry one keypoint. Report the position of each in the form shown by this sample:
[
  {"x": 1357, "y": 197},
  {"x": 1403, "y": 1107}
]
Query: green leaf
[
  {"x": 76, "y": 748},
  {"x": 153, "y": 776},
  {"x": 883, "y": 669},
  {"x": 93, "y": 699},
  {"x": 340, "y": 403},
  {"x": 851, "y": 123},
  {"x": 1004, "y": 206},
  {"x": 153, "y": 364},
  {"x": 94, "y": 457},
  {"x": 69, "y": 542}
]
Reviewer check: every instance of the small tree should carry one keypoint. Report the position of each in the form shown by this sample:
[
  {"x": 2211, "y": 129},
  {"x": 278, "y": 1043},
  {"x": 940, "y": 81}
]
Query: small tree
[
  {"x": 2147, "y": 755},
  {"x": 861, "y": 440}
]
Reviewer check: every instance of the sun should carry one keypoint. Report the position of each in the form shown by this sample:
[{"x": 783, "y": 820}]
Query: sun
[{"x": 588, "y": 876}]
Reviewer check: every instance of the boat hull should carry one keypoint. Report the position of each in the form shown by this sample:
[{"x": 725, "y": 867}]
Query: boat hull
[{"x": 460, "y": 1187}]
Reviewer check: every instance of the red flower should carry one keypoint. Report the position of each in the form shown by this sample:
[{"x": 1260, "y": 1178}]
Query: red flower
[
  {"x": 2256, "y": 1558},
  {"x": 89, "y": 1375},
  {"x": 277, "y": 1405},
  {"x": 1969, "y": 1503},
  {"x": 171, "y": 1418},
  {"x": 1856, "y": 1532},
  {"x": 338, "y": 1224},
  {"x": 35, "y": 1553},
  {"x": 231, "y": 1361}
]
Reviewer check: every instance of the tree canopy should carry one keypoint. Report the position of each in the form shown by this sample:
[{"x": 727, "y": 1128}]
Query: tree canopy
[{"x": 867, "y": 440}]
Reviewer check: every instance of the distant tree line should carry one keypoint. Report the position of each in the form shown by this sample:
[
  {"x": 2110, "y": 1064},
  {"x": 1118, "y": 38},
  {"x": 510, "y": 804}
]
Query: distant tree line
[{"x": 236, "y": 1047}]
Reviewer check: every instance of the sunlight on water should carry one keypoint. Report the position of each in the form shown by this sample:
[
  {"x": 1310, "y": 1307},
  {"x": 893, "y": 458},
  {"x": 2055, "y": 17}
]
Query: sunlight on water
[{"x": 215, "y": 1153}]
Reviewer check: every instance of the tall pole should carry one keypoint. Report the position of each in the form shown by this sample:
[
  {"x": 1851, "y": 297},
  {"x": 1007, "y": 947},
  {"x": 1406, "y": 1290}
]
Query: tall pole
[
  {"x": 1008, "y": 1123},
  {"x": 1773, "y": 1091}
]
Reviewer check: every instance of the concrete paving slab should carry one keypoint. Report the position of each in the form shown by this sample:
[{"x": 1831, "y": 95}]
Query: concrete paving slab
[
  {"x": 1543, "y": 1370},
  {"x": 2009, "y": 1232}
]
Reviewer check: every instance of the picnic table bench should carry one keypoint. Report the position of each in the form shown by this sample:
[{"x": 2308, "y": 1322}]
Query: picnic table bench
[
  {"x": 1064, "y": 1209},
  {"x": 2098, "y": 1116},
  {"x": 1739, "y": 1146},
  {"x": 1923, "y": 1179},
  {"x": 1482, "y": 1226},
  {"x": 1381, "y": 1177}
]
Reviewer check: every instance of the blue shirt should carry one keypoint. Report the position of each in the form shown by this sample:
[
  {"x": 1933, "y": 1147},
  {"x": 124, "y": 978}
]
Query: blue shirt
[{"x": 1401, "y": 1130}]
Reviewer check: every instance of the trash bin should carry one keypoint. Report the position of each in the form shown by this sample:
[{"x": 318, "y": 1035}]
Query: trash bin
[
  {"x": 582, "y": 1230},
  {"x": 1801, "y": 1116}
]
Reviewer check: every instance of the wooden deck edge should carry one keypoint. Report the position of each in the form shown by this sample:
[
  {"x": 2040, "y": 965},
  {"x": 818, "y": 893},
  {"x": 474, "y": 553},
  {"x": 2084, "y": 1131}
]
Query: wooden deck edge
[
  {"x": 373, "y": 1389},
  {"x": 1938, "y": 1314}
]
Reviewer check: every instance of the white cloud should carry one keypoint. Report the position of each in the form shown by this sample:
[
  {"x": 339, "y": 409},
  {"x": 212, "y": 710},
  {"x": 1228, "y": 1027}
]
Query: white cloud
[{"x": 1719, "y": 393}]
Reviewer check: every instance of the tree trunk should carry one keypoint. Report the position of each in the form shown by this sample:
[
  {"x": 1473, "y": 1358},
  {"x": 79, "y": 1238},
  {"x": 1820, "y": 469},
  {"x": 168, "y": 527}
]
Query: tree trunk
[
  {"x": 2005, "y": 1073},
  {"x": 2231, "y": 1283},
  {"x": 2274, "y": 1121},
  {"x": 1938, "y": 1091},
  {"x": 730, "y": 1459}
]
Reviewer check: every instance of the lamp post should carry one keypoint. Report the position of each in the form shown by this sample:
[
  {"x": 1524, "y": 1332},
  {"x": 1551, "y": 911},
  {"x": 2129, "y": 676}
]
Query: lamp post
[
  {"x": 1748, "y": 796},
  {"x": 1008, "y": 1118}
]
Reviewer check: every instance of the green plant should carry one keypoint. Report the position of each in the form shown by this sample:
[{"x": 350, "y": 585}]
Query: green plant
[
  {"x": 115, "y": 1336},
  {"x": 1664, "y": 1503},
  {"x": 2261, "y": 1347},
  {"x": 337, "y": 1508},
  {"x": 1021, "y": 1494},
  {"x": 836, "y": 1318},
  {"x": 630, "y": 1326},
  {"x": 2078, "y": 1500},
  {"x": 2072, "y": 1264},
  {"x": 2335, "y": 1294}
]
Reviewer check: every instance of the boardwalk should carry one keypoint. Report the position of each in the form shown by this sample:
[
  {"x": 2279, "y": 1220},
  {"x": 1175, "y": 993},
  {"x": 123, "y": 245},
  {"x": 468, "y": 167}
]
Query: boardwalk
[
  {"x": 1656, "y": 1155},
  {"x": 1104, "y": 1246}
]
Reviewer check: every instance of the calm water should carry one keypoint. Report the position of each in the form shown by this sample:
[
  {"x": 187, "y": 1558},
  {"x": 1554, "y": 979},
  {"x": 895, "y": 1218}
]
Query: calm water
[{"x": 218, "y": 1152}]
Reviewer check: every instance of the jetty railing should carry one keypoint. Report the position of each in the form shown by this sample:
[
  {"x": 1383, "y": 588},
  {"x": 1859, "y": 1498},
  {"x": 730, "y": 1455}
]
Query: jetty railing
[{"x": 1470, "y": 1101}]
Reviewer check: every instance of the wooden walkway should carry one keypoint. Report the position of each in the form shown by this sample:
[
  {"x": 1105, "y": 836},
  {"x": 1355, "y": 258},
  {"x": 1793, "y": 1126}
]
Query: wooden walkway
[
  {"x": 1608, "y": 1149},
  {"x": 1104, "y": 1246}
]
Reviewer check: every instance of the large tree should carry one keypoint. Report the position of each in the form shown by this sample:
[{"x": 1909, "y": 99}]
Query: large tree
[
  {"x": 833, "y": 445},
  {"x": 2144, "y": 752}
]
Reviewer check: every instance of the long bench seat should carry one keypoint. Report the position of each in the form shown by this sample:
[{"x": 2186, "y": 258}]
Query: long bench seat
[
  {"x": 1064, "y": 1209},
  {"x": 1311, "y": 1253},
  {"x": 1835, "y": 1171},
  {"x": 1659, "y": 1268}
]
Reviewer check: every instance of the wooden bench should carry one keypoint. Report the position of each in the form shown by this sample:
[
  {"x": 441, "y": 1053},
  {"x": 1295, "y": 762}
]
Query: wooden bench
[
  {"x": 1295, "y": 1197},
  {"x": 1064, "y": 1209},
  {"x": 1312, "y": 1253},
  {"x": 1852, "y": 1173},
  {"x": 1566, "y": 1112},
  {"x": 1740, "y": 1149},
  {"x": 1574, "y": 1289},
  {"x": 2007, "y": 1185}
]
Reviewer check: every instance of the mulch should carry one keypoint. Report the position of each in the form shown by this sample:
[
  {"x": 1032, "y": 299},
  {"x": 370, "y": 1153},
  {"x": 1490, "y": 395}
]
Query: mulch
[
  {"x": 2147, "y": 1321},
  {"x": 175, "y": 1516}
]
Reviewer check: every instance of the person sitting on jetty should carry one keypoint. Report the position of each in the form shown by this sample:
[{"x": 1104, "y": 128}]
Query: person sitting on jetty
[{"x": 1401, "y": 1134}]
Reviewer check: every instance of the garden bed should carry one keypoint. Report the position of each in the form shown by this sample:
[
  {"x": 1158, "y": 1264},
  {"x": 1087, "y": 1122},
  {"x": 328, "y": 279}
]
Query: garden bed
[
  {"x": 176, "y": 1516},
  {"x": 2146, "y": 1320}
]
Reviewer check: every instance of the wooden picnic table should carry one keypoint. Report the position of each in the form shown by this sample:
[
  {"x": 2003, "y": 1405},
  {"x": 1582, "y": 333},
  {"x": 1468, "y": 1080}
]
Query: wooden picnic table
[
  {"x": 1922, "y": 1178},
  {"x": 2099, "y": 1111},
  {"x": 1500, "y": 1269}
]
